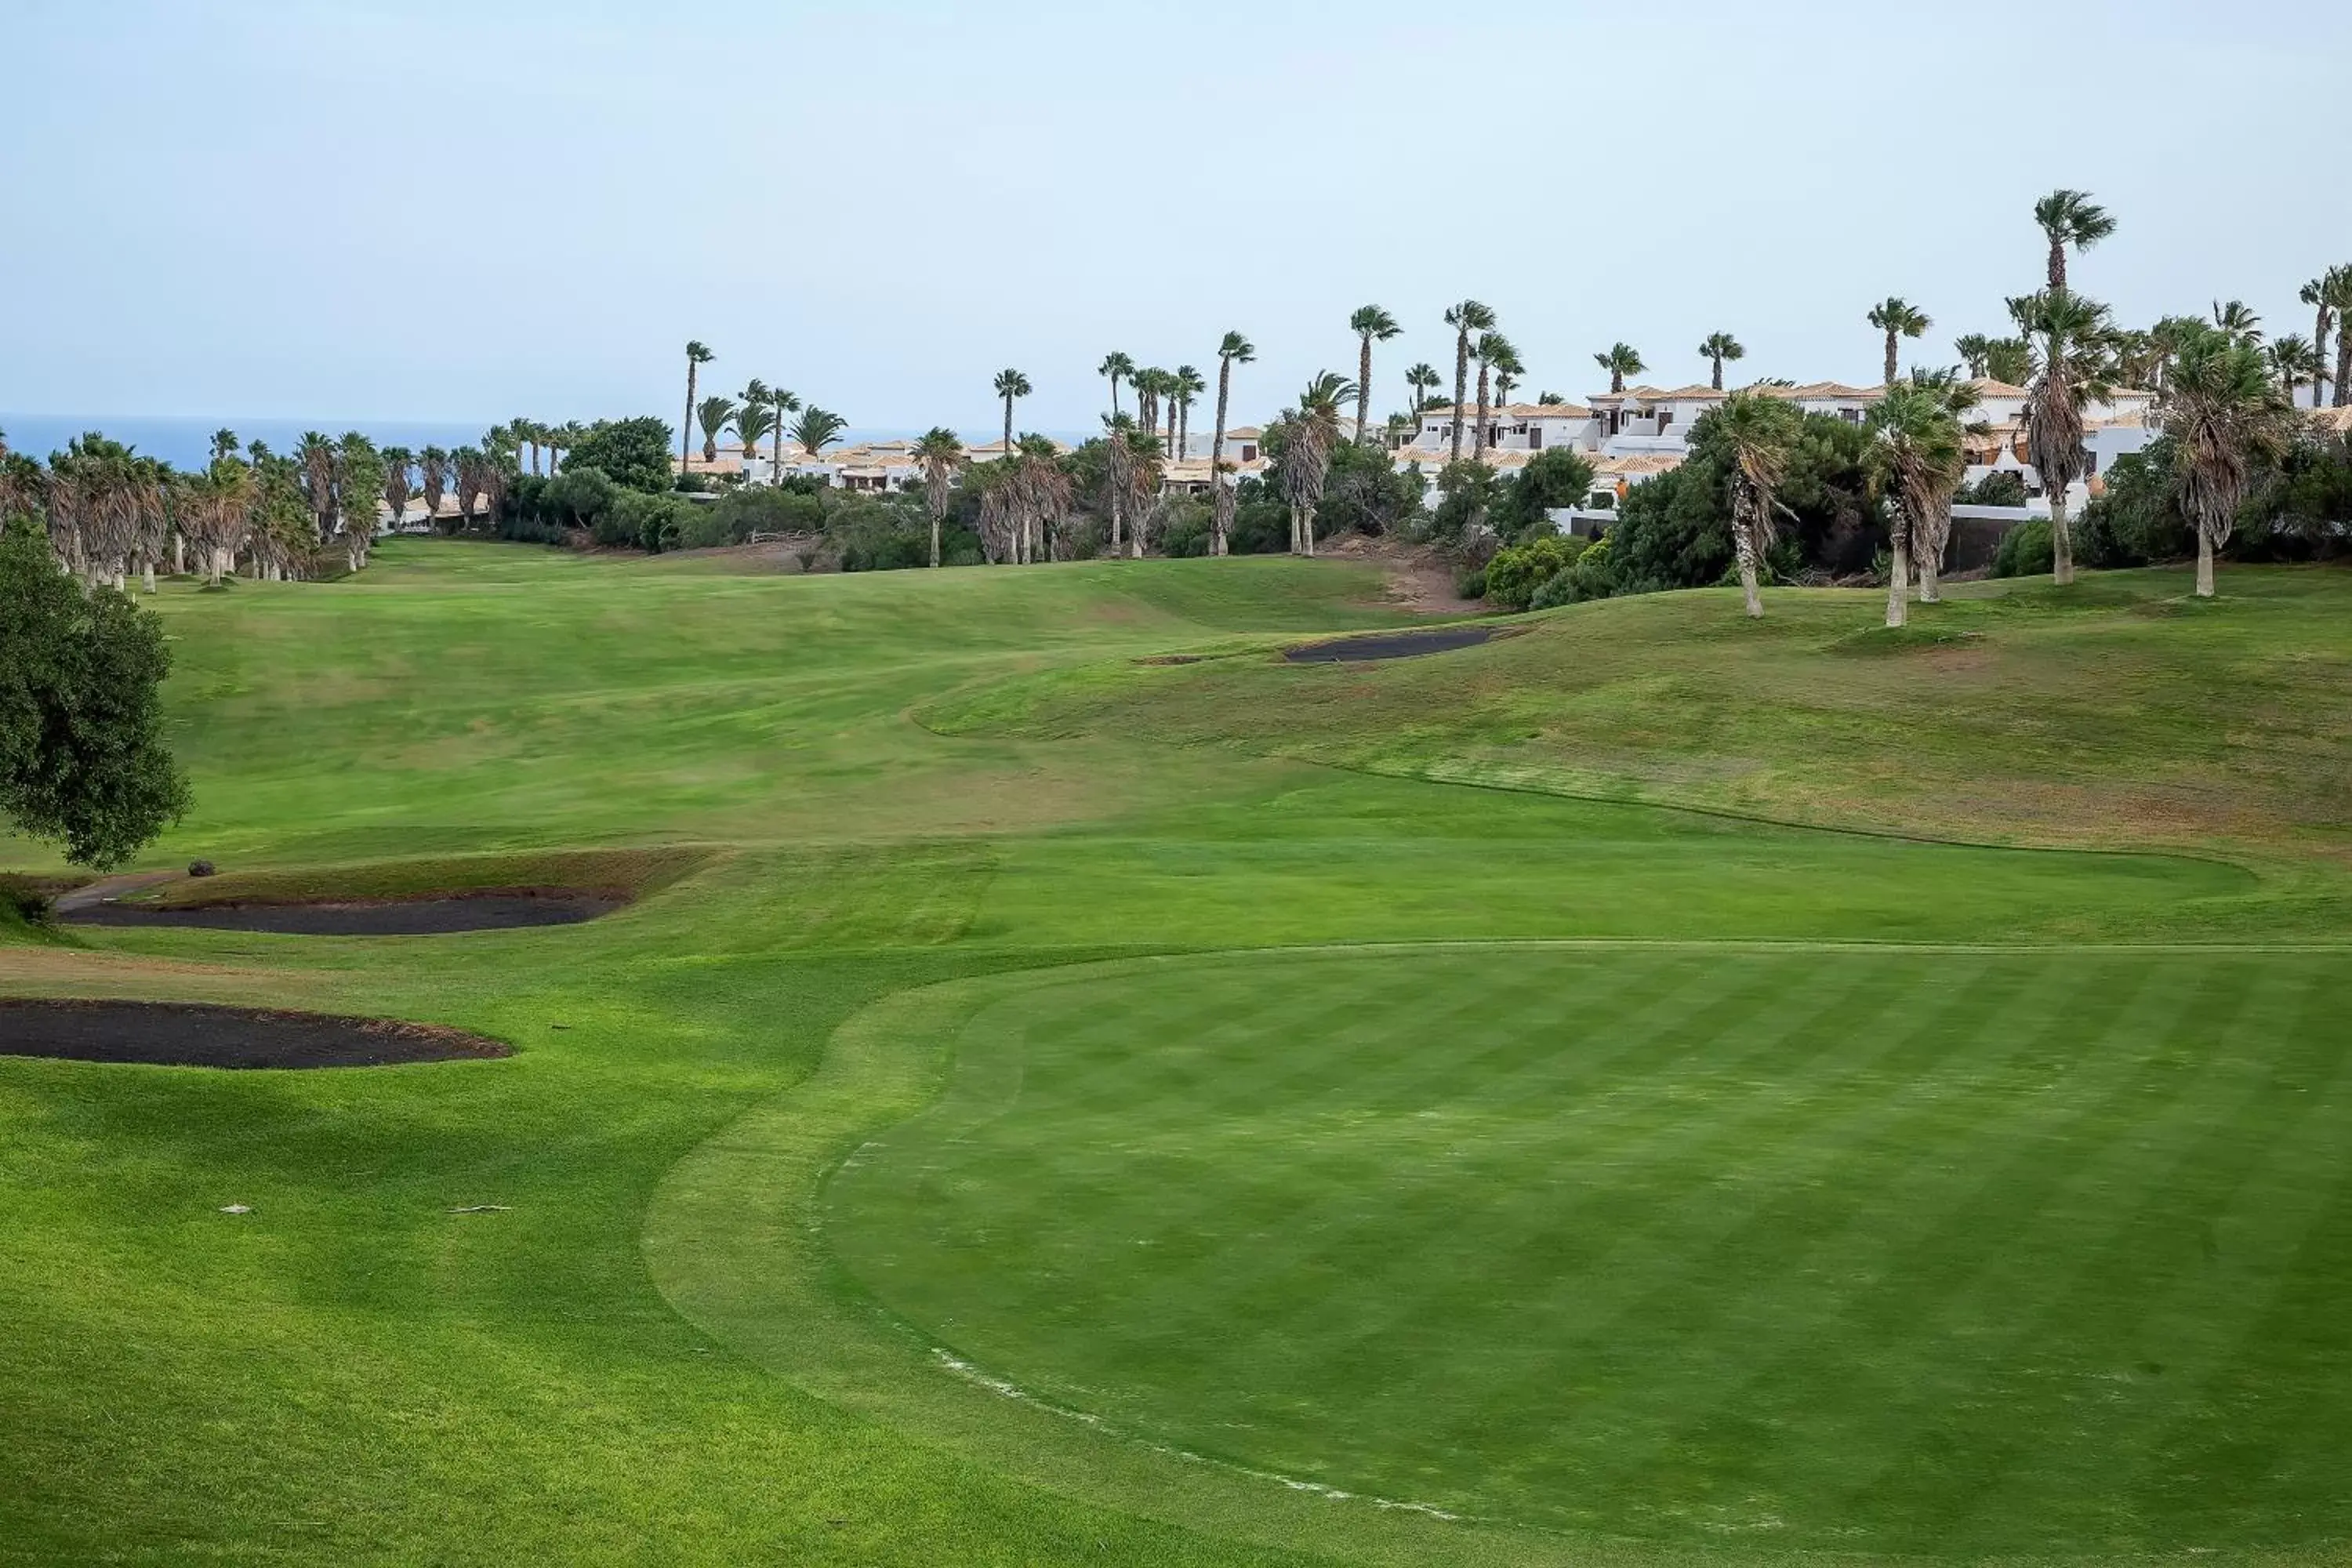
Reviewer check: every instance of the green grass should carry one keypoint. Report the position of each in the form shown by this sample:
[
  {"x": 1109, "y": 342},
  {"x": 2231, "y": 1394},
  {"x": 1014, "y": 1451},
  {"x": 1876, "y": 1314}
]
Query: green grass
[{"x": 1852, "y": 1179}]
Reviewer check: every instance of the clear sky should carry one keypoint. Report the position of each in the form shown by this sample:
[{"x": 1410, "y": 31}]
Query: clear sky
[{"x": 428, "y": 209}]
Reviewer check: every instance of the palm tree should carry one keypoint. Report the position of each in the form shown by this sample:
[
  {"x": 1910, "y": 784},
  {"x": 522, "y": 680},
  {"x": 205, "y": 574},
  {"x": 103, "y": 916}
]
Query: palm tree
[
  {"x": 316, "y": 455},
  {"x": 753, "y": 421},
  {"x": 1466, "y": 317},
  {"x": 1115, "y": 365},
  {"x": 1130, "y": 479},
  {"x": 2294, "y": 361},
  {"x": 1898, "y": 319},
  {"x": 1620, "y": 361},
  {"x": 2010, "y": 359},
  {"x": 1371, "y": 324},
  {"x": 1916, "y": 458},
  {"x": 2339, "y": 299},
  {"x": 225, "y": 443},
  {"x": 783, "y": 402},
  {"x": 2070, "y": 217},
  {"x": 1509, "y": 373},
  {"x": 1932, "y": 530},
  {"x": 1490, "y": 348},
  {"x": 1010, "y": 384},
  {"x": 697, "y": 356},
  {"x": 527, "y": 433},
  {"x": 1719, "y": 347},
  {"x": 940, "y": 451},
  {"x": 396, "y": 462},
  {"x": 1310, "y": 431},
  {"x": 433, "y": 478},
  {"x": 814, "y": 430},
  {"x": 1233, "y": 349},
  {"x": 1186, "y": 392},
  {"x": 2239, "y": 321},
  {"x": 1975, "y": 350},
  {"x": 716, "y": 411},
  {"x": 2225, "y": 417},
  {"x": 2072, "y": 333},
  {"x": 2314, "y": 294},
  {"x": 1751, "y": 438},
  {"x": 1424, "y": 382}
]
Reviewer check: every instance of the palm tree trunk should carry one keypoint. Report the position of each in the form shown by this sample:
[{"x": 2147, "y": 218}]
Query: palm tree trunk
[
  {"x": 685, "y": 431},
  {"x": 1294, "y": 528},
  {"x": 1118, "y": 516},
  {"x": 1461, "y": 389},
  {"x": 1216, "y": 461},
  {"x": 1364, "y": 385},
  {"x": 1718, "y": 372},
  {"x": 2061, "y": 545},
  {"x": 179, "y": 554},
  {"x": 935, "y": 536},
  {"x": 1898, "y": 578},
  {"x": 1008, "y": 426},
  {"x": 147, "y": 573},
  {"x": 1743, "y": 539},
  {"x": 2204, "y": 562},
  {"x": 1478, "y": 442},
  {"x": 2057, "y": 265},
  {"x": 1891, "y": 356},
  {"x": 2319, "y": 358},
  {"x": 1929, "y": 565},
  {"x": 2343, "y": 367},
  {"x": 1183, "y": 429},
  {"x": 1135, "y": 537},
  {"x": 1307, "y": 528}
]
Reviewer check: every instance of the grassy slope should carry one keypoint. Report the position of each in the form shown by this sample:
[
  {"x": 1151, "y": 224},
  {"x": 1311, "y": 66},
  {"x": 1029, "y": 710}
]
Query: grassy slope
[
  {"x": 2119, "y": 713},
  {"x": 352, "y": 1372}
]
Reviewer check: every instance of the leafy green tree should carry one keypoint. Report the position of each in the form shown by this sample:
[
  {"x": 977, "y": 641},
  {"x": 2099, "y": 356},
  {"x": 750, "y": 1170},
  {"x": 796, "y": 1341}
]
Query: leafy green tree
[
  {"x": 1898, "y": 319},
  {"x": 1365, "y": 493},
  {"x": 1752, "y": 437},
  {"x": 2068, "y": 218},
  {"x": 1555, "y": 477},
  {"x": 632, "y": 453},
  {"x": 82, "y": 761},
  {"x": 1720, "y": 347},
  {"x": 1371, "y": 324},
  {"x": 2229, "y": 420}
]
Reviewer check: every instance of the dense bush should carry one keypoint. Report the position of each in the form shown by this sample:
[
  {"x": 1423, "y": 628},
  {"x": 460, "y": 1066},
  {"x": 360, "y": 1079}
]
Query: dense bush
[
  {"x": 1514, "y": 575},
  {"x": 1590, "y": 577},
  {"x": 872, "y": 534},
  {"x": 1261, "y": 524},
  {"x": 1467, "y": 493},
  {"x": 1364, "y": 493},
  {"x": 2003, "y": 489},
  {"x": 2025, "y": 551},
  {"x": 1185, "y": 531}
]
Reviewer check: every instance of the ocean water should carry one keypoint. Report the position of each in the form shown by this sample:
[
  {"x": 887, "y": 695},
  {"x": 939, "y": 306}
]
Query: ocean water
[{"x": 188, "y": 443}]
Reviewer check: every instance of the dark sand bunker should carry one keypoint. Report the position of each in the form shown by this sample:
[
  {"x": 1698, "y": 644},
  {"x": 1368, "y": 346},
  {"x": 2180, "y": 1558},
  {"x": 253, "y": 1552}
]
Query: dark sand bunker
[
  {"x": 191, "y": 1034},
  {"x": 1396, "y": 645},
  {"x": 405, "y": 917}
]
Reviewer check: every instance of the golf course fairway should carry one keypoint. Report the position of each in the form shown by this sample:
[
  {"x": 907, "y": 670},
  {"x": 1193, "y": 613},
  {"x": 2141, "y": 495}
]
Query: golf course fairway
[{"x": 1647, "y": 1089}]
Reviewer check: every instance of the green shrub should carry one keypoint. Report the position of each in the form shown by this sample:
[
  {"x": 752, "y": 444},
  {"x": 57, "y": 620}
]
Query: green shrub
[
  {"x": 1514, "y": 575},
  {"x": 1470, "y": 582},
  {"x": 2006, "y": 488},
  {"x": 1186, "y": 532},
  {"x": 2025, "y": 551}
]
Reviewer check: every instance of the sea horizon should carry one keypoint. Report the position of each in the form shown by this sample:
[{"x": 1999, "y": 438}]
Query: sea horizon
[{"x": 184, "y": 441}]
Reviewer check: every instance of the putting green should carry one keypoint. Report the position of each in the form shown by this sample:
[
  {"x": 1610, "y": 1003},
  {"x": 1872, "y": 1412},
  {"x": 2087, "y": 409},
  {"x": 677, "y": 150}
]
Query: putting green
[{"x": 1952, "y": 1252}]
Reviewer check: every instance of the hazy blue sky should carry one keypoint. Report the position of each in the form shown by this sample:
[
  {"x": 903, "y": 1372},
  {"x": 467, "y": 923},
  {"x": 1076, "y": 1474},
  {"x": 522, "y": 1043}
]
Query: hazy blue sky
[{"x": 471, "y": 210}]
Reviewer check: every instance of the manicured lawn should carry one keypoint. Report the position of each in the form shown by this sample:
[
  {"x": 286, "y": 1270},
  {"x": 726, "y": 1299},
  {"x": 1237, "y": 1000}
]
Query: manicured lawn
[
  {"x": 1622, "y": 1247},
  {"x": 1945, "y": 1253}
]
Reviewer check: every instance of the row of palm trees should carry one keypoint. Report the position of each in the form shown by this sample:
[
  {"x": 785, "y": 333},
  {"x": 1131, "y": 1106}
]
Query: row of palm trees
[
  {"x": 759, "y": 413},
  {"x": 2226, "y": 402}
]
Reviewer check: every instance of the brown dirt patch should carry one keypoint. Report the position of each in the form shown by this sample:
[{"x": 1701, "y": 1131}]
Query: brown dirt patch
[
  {"x": 189, "y": 1034},
  {"x": 1417, "y": 578}
]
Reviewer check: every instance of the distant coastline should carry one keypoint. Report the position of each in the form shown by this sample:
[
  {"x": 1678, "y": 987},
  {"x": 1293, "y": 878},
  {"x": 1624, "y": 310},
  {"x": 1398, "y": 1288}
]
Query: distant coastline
[{"x": 185, "y": 441}]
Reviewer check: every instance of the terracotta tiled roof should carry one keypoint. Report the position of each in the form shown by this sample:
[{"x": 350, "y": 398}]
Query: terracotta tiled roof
[{"x": 1986, "y": 386}]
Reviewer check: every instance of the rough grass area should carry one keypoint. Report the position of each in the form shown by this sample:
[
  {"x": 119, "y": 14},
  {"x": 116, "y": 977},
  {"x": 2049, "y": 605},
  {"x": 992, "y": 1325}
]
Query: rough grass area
[{"x": 1722, "y": 1190}]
